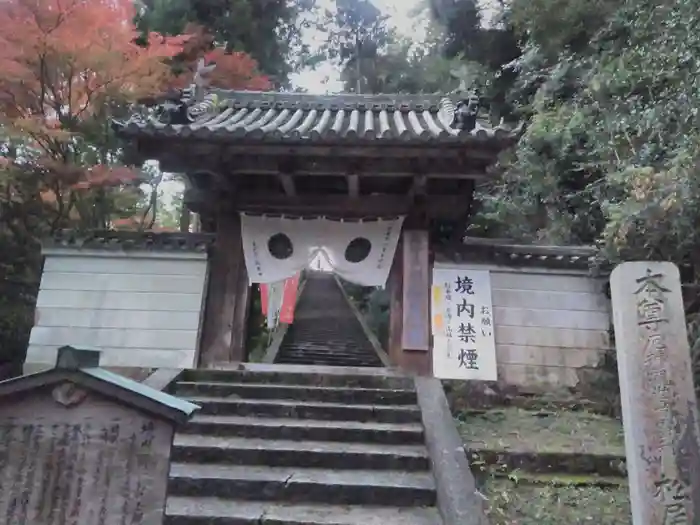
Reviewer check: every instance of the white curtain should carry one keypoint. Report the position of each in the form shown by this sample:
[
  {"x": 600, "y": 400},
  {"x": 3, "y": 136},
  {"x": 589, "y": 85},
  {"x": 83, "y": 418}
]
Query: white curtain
[{"x": 276, "y": 248}]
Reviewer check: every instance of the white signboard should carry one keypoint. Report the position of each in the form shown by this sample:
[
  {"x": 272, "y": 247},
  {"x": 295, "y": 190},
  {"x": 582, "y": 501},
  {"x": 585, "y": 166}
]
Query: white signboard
[{"x": 462, "y": 324}]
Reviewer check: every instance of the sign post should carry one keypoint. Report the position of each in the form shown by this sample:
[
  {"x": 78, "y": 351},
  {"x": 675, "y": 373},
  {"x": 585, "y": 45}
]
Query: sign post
[
  {"x": 462, "y": 325},
  {"x": 659, "y": 407}
]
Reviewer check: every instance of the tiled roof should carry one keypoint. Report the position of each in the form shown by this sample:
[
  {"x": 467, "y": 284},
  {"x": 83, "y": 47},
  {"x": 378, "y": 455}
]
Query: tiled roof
[
  {"x": 128, "y": 240},
  {"x": 296, "y": 117}
]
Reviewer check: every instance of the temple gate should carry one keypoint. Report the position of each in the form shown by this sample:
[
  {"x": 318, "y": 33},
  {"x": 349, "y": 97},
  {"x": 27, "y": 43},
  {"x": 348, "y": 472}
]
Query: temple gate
[{"x": 340, "y": 157}]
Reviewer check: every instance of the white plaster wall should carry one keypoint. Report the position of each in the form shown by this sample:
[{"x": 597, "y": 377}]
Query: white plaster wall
[
  {"x": 549, "y": 324},
  {"x": 140, "y": 309}
]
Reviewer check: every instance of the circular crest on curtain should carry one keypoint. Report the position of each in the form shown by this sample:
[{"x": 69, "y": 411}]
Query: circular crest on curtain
[
  {"x": 280, "y": 246},
  {"x": 358, "y": 250}
]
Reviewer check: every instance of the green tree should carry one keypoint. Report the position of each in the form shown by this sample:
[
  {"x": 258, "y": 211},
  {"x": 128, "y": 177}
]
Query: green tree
[
  {"x": 612, "y": 146},
  {"x": 487, "y": 52},
  {"x": 357, "y": 33}
]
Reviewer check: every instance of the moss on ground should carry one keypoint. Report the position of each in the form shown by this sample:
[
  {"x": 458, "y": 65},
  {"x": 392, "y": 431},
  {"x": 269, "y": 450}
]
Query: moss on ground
[
  {"x": 568, "y": 495},
  {"x": 516, "y": 503},
  {"x": 515, "y": 429}
]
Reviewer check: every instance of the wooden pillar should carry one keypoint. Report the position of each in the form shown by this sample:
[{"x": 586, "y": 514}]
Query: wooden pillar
[
  {"x": 240, "y": 318},
  {"x": 395, "y": 289},
  {"x": 226, "y": 308},
  {"x": 409, "y": 292},
  {"x": 415, "y": 333}
]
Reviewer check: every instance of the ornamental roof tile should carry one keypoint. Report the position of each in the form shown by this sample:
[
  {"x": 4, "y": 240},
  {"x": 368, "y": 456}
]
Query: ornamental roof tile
[{"x": 300, "y": 117}]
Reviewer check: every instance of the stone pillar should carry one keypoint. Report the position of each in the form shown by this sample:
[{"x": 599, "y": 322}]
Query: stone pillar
[
  {"x": 226, "y": 312},
  {"x": 658, "y": 399}
]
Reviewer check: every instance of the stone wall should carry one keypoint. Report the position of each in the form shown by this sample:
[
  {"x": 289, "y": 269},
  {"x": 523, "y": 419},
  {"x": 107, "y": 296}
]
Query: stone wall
[{"x": 549, "y": 323}]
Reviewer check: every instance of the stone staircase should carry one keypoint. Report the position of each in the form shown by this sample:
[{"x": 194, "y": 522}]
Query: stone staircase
[
  {"x": 325, "y": 329},
  {"x": 289, "y": 445}
]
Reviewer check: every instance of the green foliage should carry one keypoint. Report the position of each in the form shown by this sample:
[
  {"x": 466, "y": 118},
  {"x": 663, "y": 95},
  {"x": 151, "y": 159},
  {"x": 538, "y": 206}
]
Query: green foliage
[
  {"x": 356, "y": 34},
  {"x": 373, "y": 58},
  {"x": 611, "y": 96}
]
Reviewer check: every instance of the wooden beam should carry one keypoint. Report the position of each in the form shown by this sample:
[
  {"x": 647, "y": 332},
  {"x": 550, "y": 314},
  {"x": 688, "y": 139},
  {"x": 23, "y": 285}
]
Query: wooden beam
[
  {"x": 167, "y": 147},
  {"x": 339, "y": 172},
  {"x": 221, "y": 339},
  {"x": 419, "y": 186},
  {"x": 483, "y": 151},
  {"x": 239, "y": 339},
  {"x": 353, "y": 186},
  {"x": 436, "y": 206},
  {"x": 395, "y": 289},
  {"x": 288, "y": 185},
  {"x": 440, "y": 166},
  {"x": 415, "y": 333},
  {"x": 332, "y": 205}
]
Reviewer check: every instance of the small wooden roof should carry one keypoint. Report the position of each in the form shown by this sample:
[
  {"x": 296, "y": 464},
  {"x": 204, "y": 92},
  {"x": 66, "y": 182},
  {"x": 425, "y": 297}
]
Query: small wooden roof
[{"x": 118, "y": 388}]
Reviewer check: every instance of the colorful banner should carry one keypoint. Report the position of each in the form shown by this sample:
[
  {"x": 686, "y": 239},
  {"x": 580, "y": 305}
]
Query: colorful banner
[
  {"x": 264, "y": 295},
  {"x": 464, "y": 346},
  {"x": 289, "y": 299},
  {"x": 278, "y": 301}
]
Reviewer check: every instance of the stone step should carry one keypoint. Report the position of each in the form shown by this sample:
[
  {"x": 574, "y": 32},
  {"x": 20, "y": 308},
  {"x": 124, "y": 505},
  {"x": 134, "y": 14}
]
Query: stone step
[
  {"x": 303, "y": 375},
  {"x": 338, "y": 353},
  {"x": 308, "y": 410},
  {"x": 326, "y": 347},
  {"x": 215, "y": 511},
  {"x": 302, "y": 485},
  {"x": 340, "y": 336},
  {"x": 327, "y": 350},
  {"x": 326, "y": 360},
  {"x": 378, "y": 396},
  {"x": 312, "y": 454},
  {"x": 336, "y": 332},
  {"x": 306, "y": 429},
  {"x": 332, "y": 360}
]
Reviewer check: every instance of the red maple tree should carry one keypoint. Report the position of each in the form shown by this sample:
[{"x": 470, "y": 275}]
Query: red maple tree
[
  {"x": 65, "y": 66},
  {"x": 234, "y": 69},
  {"x": 65, "y": 63}
]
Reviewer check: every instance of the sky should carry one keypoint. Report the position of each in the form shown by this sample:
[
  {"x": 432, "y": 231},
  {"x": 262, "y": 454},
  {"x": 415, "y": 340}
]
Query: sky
[{"x": 326, "y": 77}]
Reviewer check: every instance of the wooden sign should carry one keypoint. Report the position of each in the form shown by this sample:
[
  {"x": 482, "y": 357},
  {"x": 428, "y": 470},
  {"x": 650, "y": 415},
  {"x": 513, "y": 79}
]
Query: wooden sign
[
  {"x": 76, "y": 460},
  {"x": 84, "y": 446},
  {"x": 464, "y": 346},
  {"x": 662, "y": 437}
]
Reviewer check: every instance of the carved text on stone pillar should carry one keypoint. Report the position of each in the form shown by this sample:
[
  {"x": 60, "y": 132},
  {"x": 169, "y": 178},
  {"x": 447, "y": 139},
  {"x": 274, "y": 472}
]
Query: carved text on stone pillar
[{"x": 659, "y": 407}]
